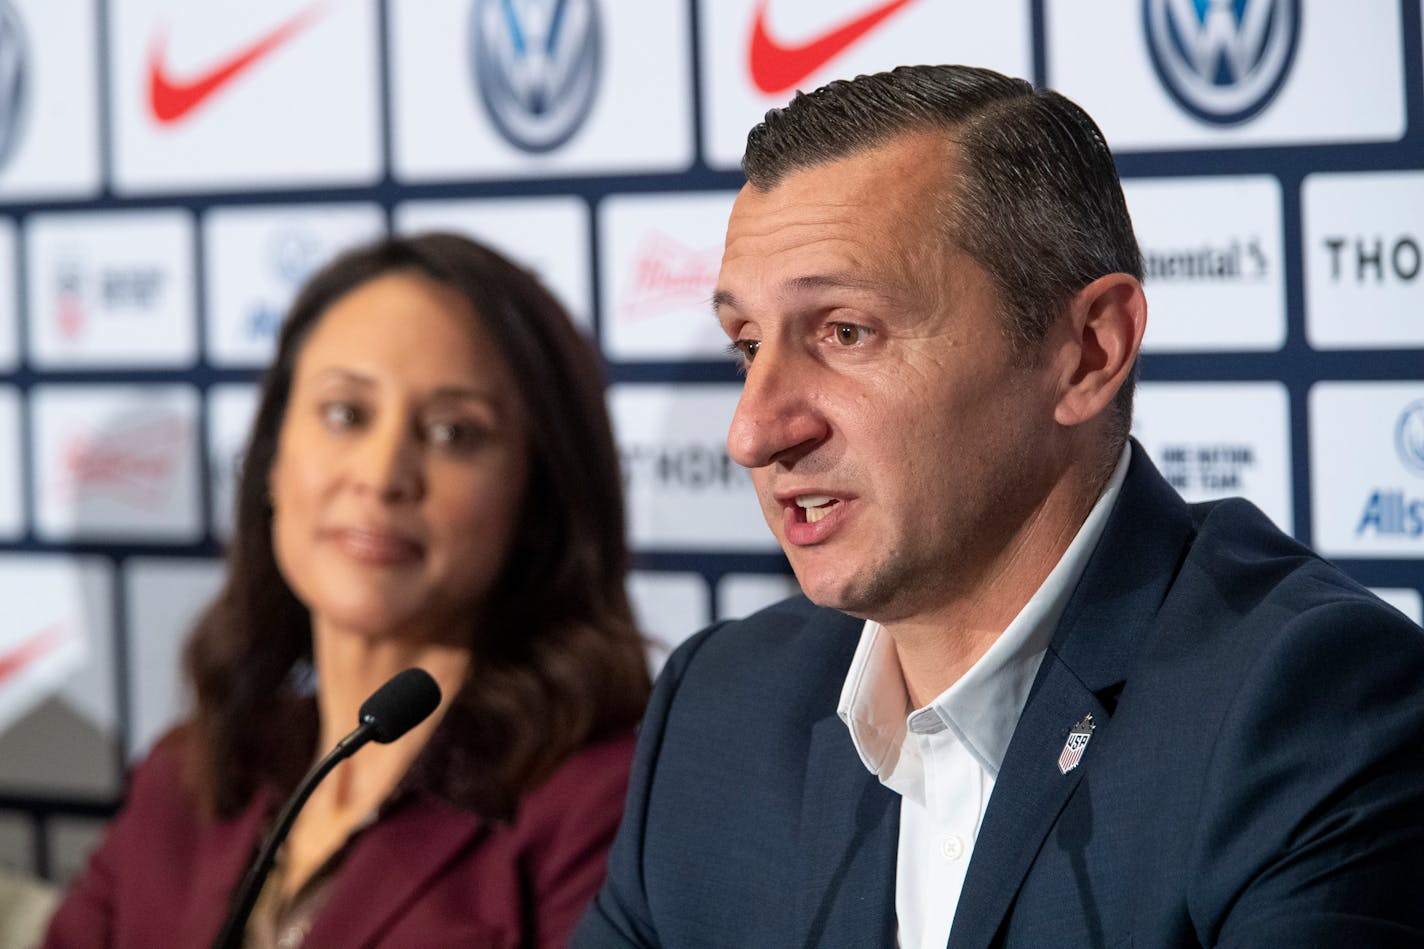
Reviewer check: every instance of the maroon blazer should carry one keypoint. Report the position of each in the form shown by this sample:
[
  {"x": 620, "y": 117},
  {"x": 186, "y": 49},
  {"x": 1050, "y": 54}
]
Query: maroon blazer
[{"x": 427, "y": 874}]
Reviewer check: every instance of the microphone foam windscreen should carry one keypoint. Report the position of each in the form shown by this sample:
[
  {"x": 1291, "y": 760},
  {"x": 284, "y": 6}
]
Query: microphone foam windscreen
[{"x": 401, "y": 704}]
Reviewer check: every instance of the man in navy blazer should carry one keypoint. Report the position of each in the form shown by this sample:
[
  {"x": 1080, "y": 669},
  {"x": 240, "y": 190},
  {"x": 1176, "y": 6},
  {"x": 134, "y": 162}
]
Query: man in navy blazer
[{"x": 1031, "y": 697}]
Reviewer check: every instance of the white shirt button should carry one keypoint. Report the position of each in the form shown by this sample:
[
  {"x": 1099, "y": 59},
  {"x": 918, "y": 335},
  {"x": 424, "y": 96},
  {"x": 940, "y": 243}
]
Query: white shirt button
[{"x": 951, "y": 847}]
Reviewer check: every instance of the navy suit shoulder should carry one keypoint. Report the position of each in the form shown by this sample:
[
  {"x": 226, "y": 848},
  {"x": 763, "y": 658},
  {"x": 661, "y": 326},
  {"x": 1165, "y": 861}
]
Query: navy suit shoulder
[
  {"x": 740, "y": 759},
  {"x": 1259, "y": 755}
]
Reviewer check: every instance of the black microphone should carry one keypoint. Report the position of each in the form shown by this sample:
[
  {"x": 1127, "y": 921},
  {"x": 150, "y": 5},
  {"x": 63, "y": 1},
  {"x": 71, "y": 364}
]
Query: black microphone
[{"x": 405, "y": 701}]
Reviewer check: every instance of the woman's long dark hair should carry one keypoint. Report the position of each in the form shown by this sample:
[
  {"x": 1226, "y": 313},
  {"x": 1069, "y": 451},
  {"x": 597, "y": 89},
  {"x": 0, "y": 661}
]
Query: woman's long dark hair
[{"x": 557, "y": 661}]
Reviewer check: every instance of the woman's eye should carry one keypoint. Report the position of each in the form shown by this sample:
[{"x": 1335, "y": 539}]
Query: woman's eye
[
  {"x": 452, "y": 434},
  {"x": 848, "y": 334},
  {"x": 340, "y": 416}
]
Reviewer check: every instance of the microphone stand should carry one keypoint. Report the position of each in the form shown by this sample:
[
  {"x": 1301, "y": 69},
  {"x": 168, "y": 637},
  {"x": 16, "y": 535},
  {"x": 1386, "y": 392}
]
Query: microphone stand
[{"x": 230, "y": 936}]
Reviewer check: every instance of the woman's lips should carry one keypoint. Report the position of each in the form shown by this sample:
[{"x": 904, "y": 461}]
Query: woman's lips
[{"x": 376, "y": 546}]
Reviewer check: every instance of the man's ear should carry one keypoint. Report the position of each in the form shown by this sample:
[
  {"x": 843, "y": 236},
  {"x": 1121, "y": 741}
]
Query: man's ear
[{"x": 1105, "y": 323}]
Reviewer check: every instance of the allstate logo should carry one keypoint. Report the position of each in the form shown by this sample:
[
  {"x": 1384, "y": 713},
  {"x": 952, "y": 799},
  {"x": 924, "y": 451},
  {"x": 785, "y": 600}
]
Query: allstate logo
[
  {"x": 1222, "y": 60},
  {"x": 537, "y": 66},
  {"x": 1409, "y": 437},
  {"x": 14, "y": 92}
]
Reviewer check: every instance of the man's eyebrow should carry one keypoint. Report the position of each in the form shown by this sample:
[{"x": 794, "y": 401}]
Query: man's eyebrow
[{"x": 809, "y": 282}]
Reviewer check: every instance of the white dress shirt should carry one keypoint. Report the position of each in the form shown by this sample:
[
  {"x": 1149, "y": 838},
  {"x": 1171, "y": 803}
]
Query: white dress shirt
[{"x": 942, "y": 759}]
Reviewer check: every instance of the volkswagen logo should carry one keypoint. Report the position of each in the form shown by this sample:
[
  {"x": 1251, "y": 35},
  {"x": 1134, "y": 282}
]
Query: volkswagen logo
[
  {"x": 1222, "y": 60},
  {"x": 537, "y": 65},
  {"x": 14, "y": 64},
  {"x": 1409, "y": 437}
]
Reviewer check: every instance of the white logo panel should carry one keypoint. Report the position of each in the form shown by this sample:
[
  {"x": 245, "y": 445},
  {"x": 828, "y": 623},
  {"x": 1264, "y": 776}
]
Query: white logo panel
[
  {"x": 231, "y": 412},
  {"x": 12, "y": 502},
  {"x": 547, "y": 235},
  {"x": 255, "y": 261},
  {"x": 1212, "y": 256},
  {"x": 1214, "y": 440},
  {"x": 49, "y": 123},
  {"x": 116, "y": 463},
  {"x": 1367, "y": 468},
  {"x": 474, "y": 81},
  {"x": 239, "y": 95},
  {"x": 742, "y": 594},
  {"x": 1297, "y": 97},
  {"x": 165, "y": 597},
  {"x": 111, "y": 289},
  {"x": 660, "y": 257},
  {"x": 683, "y": 491},
  {"x": 56, "y": 642},
  {"x": 9, "y": 299},
  {"x": 1364, "y": 260},
  {"x": 669, "y": 607},
  {"x": 757, "y": 53}
]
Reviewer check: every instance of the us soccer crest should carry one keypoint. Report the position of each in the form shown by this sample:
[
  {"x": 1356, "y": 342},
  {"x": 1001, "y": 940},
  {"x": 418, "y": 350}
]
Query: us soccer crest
[{"x": 1078, "y": 737}]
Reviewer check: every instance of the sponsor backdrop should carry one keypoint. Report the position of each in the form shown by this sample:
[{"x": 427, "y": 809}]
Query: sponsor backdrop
[{"x": 171, "y": 171}]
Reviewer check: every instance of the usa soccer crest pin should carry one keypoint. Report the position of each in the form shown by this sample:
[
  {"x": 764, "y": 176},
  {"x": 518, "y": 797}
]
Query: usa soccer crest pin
[{"x": 1078, "y": 737}]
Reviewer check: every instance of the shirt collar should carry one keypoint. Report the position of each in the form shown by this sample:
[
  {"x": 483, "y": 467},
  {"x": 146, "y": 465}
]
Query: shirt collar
[{"x": 983, "y": 706}]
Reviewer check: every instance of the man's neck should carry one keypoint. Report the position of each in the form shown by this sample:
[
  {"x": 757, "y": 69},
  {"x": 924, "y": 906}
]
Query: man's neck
[{"x": 937, "y": 647}]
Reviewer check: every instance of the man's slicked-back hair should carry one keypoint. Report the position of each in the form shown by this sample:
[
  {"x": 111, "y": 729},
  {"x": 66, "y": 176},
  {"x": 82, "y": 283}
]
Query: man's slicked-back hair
[{"x": 1037, "y": 202}]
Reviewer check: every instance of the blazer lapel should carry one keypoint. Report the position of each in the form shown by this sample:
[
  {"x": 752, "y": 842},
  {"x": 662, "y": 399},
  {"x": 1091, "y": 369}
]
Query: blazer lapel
[
  {"x": 1028, "y": 795},
  {"x": 223, "y": 853},
  {"x": 1087, "y": 662},
  {"x": 377, "y": 882},
  {"x": 848, "y": 838}
]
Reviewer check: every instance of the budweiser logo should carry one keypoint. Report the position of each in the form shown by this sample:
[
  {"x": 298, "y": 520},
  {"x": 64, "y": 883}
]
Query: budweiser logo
[
  {"x": 668, "y": 275},
  {"x": 135, "y": 466}
]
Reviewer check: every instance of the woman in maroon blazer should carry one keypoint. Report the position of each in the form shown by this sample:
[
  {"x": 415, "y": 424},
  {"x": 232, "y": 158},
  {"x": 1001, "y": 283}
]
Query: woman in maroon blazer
[{"x": 431, "y": 481}]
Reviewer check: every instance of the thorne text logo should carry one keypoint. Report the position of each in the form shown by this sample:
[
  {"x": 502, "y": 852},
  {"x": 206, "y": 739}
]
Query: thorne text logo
[
  {"x": 683, "y": 491},
  {"x": 536, "y": 65},
  {"x": 1222, "y": 60},
  {"x": 1364, "y": 266}
]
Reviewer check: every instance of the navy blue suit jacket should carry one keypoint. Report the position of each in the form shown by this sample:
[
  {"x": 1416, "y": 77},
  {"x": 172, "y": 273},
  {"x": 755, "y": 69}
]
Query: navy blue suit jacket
[{"x": 1256, "y": 777}]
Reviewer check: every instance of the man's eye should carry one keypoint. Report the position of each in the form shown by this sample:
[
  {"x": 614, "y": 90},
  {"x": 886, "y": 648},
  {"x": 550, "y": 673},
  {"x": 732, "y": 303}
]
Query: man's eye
[
  {"x": 848, "y": 334},
  {"x": 745, "y": 349}
]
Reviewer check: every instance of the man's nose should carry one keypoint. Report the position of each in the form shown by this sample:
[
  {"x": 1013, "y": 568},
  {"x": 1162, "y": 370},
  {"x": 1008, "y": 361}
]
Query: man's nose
[{"x": 777, "y": 419}]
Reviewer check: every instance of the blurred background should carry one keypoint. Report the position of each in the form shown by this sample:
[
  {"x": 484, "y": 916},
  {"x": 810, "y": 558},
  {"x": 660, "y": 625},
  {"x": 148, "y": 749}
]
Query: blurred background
[{"x": 171, "y": 170}]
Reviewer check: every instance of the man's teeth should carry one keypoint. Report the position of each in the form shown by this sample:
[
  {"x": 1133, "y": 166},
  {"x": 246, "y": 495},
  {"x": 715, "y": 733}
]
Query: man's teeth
[{"x": 816, "y": 506}]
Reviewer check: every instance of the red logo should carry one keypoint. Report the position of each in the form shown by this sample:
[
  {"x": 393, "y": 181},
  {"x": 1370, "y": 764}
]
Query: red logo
[
  {"x": 171, "y": 99},
  {"x": 777, "y": 67},
  {"x": 47, "y": 640},
  {"x": 667, "y": 274},
  {"x": 135, "y": 465}
]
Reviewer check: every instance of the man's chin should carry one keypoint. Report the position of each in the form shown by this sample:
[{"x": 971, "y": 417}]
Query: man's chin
[{"x": 836, "y": 592}]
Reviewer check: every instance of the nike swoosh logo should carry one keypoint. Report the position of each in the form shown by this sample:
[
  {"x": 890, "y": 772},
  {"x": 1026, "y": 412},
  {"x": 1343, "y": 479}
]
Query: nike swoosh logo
[
  {"x": 170, "y": 99},
  {"x": 30, "y": 650},
  {"x": 776, "y": 67}
]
